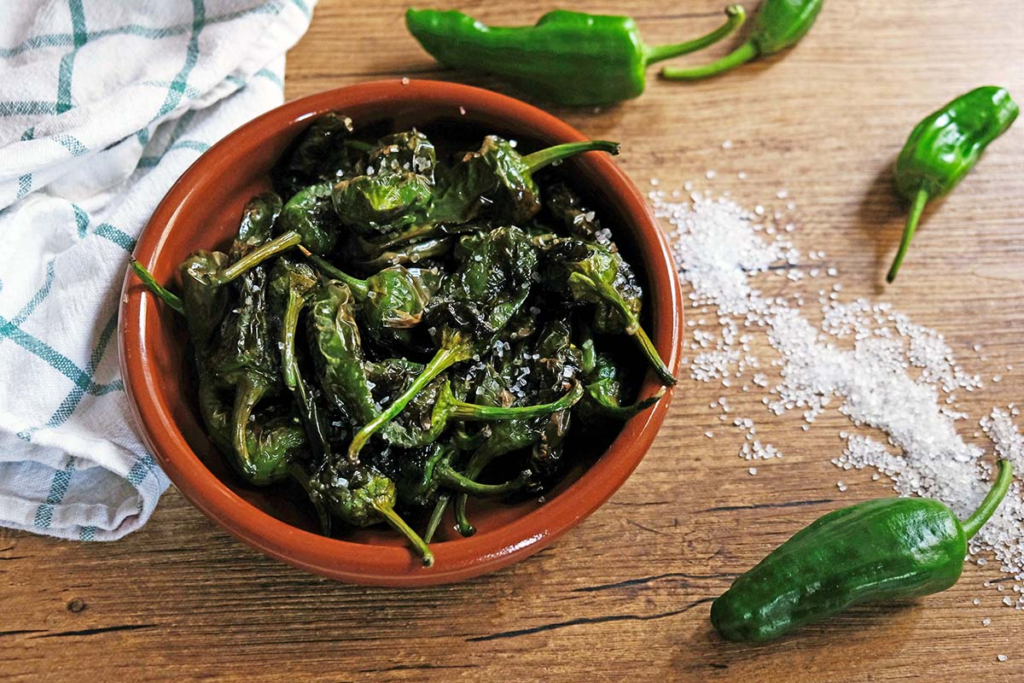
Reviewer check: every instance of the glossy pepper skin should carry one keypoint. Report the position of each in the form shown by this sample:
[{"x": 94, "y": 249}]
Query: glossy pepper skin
[
  {"x": 888, "y": 549},
  {"x": 944, "y": 147},
  {"x": 496, "y": 181},
  {"x": 489, "y": 286},
  {"x": 592, "y": 273},
  {"x": 397, "y": 190},
  {"x": 566, "y": 57},
  {"x": 778, "y": 25}
]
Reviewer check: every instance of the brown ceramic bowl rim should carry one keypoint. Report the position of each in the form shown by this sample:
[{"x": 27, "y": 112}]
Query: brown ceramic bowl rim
[{"x": 378, "y": 564}]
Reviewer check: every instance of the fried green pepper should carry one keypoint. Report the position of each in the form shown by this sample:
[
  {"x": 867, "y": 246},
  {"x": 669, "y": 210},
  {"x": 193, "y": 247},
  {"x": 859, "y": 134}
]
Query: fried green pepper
[
  {"x": 605, "y": 388},
  {"x": 591, "y": 273},
  {"x": 420, "y": 474},
  {"x": 493, "y": 280},
  {"x": 337, "y": 352},
  {"x": 391, "y": 300},
  {"x": 291, "y": 287},
  {"x": 395, "y": 192},
  {"x": 362, "y": 496},
  {"x": 325, "y": 152},
  {"x": 497, "y": 181}
]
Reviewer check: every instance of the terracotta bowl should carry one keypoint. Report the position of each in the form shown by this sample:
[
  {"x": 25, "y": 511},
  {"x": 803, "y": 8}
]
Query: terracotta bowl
[{"x": 202, "y": 210}]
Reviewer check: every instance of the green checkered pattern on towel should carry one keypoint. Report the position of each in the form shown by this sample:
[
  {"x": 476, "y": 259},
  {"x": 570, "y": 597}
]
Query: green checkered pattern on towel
[{"x": 117, "y": 100}]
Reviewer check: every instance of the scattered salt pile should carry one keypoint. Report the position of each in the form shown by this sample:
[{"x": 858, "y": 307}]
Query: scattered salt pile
[{"x": 864, "y": 359}]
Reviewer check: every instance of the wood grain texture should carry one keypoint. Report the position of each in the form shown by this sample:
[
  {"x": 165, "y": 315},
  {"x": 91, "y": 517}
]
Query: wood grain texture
[{"x": 626, "y": 594}]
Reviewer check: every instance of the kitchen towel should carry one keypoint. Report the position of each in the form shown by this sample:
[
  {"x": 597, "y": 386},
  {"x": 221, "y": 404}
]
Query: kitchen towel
[{"x": 103, "y": 105}]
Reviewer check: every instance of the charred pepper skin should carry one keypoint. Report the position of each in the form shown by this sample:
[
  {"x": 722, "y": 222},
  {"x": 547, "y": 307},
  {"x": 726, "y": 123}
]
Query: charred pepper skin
[
  {"x": 944, "y": 147},
  {"x": 558, "y": 58},
  {"x": 879, "y": 550}
]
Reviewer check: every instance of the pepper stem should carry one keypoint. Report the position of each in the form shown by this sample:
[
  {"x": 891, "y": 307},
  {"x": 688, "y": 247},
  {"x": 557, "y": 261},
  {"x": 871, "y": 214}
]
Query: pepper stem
[
  {"x": 622, "y": 412},
  {"x": 400, "y": 525},
  {"x": 545, "y": 157},
  {"x": 150, "y": 283},
  {"x": 454, "y": 350},
  {"x": 633, "y": 328},
  {"x": 289, "y": 326},
  {"x": 451, "y": 479},
  {"x": 282, "y": 242},
  {"x": 741, "y": 55},
  {"x": 462, "y": 522},
  {"x": 735, "y": 15},
  {"x": 359, "y": 287},
  {"x": 973, "y": 524},
  {"x": 436, "y": 516},
  {"x": 247, "y": 395},
  {"x": 460, "y": 410},
  {"x": 920, "y": 199}
]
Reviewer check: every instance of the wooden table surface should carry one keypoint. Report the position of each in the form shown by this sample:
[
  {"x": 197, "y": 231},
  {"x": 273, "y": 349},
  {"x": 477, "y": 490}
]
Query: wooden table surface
[{"x": 626, "y": 593}]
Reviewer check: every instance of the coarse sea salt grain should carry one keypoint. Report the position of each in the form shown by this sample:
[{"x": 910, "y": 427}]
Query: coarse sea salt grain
[{"x": 865, "y": 359}]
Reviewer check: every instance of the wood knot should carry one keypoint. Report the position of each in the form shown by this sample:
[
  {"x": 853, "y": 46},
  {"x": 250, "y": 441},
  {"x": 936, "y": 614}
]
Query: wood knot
[{"x": 76, "y": 605}]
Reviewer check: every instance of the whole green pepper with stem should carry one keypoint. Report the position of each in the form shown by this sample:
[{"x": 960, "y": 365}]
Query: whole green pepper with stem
[
  {"x": 497, "y": 181},
  {"x": 490, "y": 285},
  {"x": 566, "y": 57},
  {"x": 291, "y": 288},
  {"x": 308, "y": 219},
  {"x": 392, "y": 300},
  {"x": 604, "y": 389},
  {"x": 887, "y": 549},
  {"x": 943, "y": 148},
  {"x": 338, "y": 353},
  {"x": 778, "y": 25},
  {"x": 591, "y": 273},
  {"x": 361, "y": 496}
]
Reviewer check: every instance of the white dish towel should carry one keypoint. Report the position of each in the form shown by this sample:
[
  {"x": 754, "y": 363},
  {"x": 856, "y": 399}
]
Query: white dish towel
[{"x": 103, "y": 105}]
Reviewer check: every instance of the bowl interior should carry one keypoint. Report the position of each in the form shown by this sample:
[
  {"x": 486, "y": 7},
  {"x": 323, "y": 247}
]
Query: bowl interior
[{"x": 207, "y": 218}]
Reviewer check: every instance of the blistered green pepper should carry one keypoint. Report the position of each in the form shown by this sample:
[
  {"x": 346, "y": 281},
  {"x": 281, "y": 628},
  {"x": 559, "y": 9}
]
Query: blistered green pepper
[
  {"x": 325, "y": 152},
  {"x": 338, "y": 353},
  {"x": 778, "y": 25},
  {"x": 361, "y": 496},
  {"x": 392, "y": 300},
  {"x": 944, "y": 147},
  {"x": 591, "y": 273},
  {"x": 395, "y": 192},
  {"x": 434, "y": 407},
  {"x": 497, "y": 181},
  {"x": 567, "y": 57},
  {"x": 879, "y": 550},
  {"x": 493, "y": 280},
  {"x": 605, "y": 397},
  {"x": 291, "y": 287}
]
